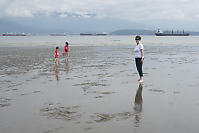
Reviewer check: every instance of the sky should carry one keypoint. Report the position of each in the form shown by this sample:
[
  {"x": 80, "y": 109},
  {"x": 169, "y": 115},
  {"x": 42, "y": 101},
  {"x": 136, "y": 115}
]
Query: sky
[{"x": 100, "y": 15}]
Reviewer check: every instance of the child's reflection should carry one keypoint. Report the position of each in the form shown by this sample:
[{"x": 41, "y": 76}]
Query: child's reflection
[
  {"x": 57, "y": 73},
  {"x": 67, "y": 65}
]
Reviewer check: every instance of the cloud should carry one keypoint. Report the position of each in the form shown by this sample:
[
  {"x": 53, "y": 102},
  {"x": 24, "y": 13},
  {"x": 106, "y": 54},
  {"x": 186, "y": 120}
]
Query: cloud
[{"x": 133, "y": 10}]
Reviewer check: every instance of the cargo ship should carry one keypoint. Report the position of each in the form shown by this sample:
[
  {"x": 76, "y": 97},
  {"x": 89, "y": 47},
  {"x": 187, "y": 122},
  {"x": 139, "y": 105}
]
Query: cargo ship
[
  {"x": 13, "y": 34},
  {"x": 171, "y": 33},
  {"x": 95, "y": 34},
  {"x": 58, "y": 34},
  {"x": 101, "y": 34},
  {"x": 86, "y": 34}
]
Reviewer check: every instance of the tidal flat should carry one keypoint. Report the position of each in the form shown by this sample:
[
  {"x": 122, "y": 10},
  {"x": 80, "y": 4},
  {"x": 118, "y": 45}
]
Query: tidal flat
[{"x": 95, "y": 90}]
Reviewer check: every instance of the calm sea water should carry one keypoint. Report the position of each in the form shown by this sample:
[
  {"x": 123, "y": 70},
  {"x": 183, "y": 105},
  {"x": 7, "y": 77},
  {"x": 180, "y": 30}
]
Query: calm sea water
[{"x": 97, "y": 41}]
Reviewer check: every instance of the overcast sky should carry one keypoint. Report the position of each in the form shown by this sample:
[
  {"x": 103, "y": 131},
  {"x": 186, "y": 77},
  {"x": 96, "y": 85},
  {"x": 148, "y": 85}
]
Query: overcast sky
[{"x": 152, "y": 12}]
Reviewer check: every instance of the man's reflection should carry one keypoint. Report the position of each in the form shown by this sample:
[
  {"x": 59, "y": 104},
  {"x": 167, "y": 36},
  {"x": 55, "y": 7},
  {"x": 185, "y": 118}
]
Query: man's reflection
[{"x": 138, "y": 104}]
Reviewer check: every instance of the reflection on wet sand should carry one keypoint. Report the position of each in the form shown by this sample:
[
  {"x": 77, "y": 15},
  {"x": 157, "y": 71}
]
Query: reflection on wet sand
[
  {"x": 67, "y": 67},
  {"x": 57, "y": 73},
  {"x": 138, "y": 105}
]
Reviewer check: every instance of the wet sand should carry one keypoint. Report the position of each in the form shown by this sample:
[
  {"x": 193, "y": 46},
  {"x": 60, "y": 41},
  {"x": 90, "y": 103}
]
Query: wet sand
[{"x": 95, "y": 90}]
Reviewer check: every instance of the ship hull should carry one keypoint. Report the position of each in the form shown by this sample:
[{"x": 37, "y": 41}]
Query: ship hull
[
  {"x": 13, "y": 35},
  {"x": 57, "y": 34},
  {"x": 101, "y": 34},
  {"x": 87, "y": 34}
]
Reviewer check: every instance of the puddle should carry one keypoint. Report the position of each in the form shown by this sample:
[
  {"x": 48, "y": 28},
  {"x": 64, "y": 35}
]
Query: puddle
[
  {"x": 99, "y": 118},
  {"x": 157, "y": 90},
  {"x": 53, "y": 111},
  {"x": 4, "y": 102}
]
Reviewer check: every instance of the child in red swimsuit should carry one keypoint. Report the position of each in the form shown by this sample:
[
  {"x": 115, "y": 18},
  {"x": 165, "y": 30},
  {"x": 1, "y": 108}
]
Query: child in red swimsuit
[
  {"x": 66, "y": 48},
  {"x": 56, "y": 55}
]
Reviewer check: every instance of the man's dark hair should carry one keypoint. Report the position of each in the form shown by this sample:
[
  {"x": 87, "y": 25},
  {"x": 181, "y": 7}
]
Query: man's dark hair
[{"x": 138, "y": 38}]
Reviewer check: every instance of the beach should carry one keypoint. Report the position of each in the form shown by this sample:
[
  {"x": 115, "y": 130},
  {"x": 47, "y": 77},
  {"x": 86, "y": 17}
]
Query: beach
[{"x": 95, "y": 88}]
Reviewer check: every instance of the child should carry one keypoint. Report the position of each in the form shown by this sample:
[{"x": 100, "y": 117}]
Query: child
[
  {"x": 56, "y": 55},
  {"x": 66, "y": 48}
]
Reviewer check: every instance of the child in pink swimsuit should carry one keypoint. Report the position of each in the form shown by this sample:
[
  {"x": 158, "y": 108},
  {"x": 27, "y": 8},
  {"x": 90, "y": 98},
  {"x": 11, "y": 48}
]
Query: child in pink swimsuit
[
  {"x": 66, "y": 49},
  {"x": 56, "y": 55}
]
